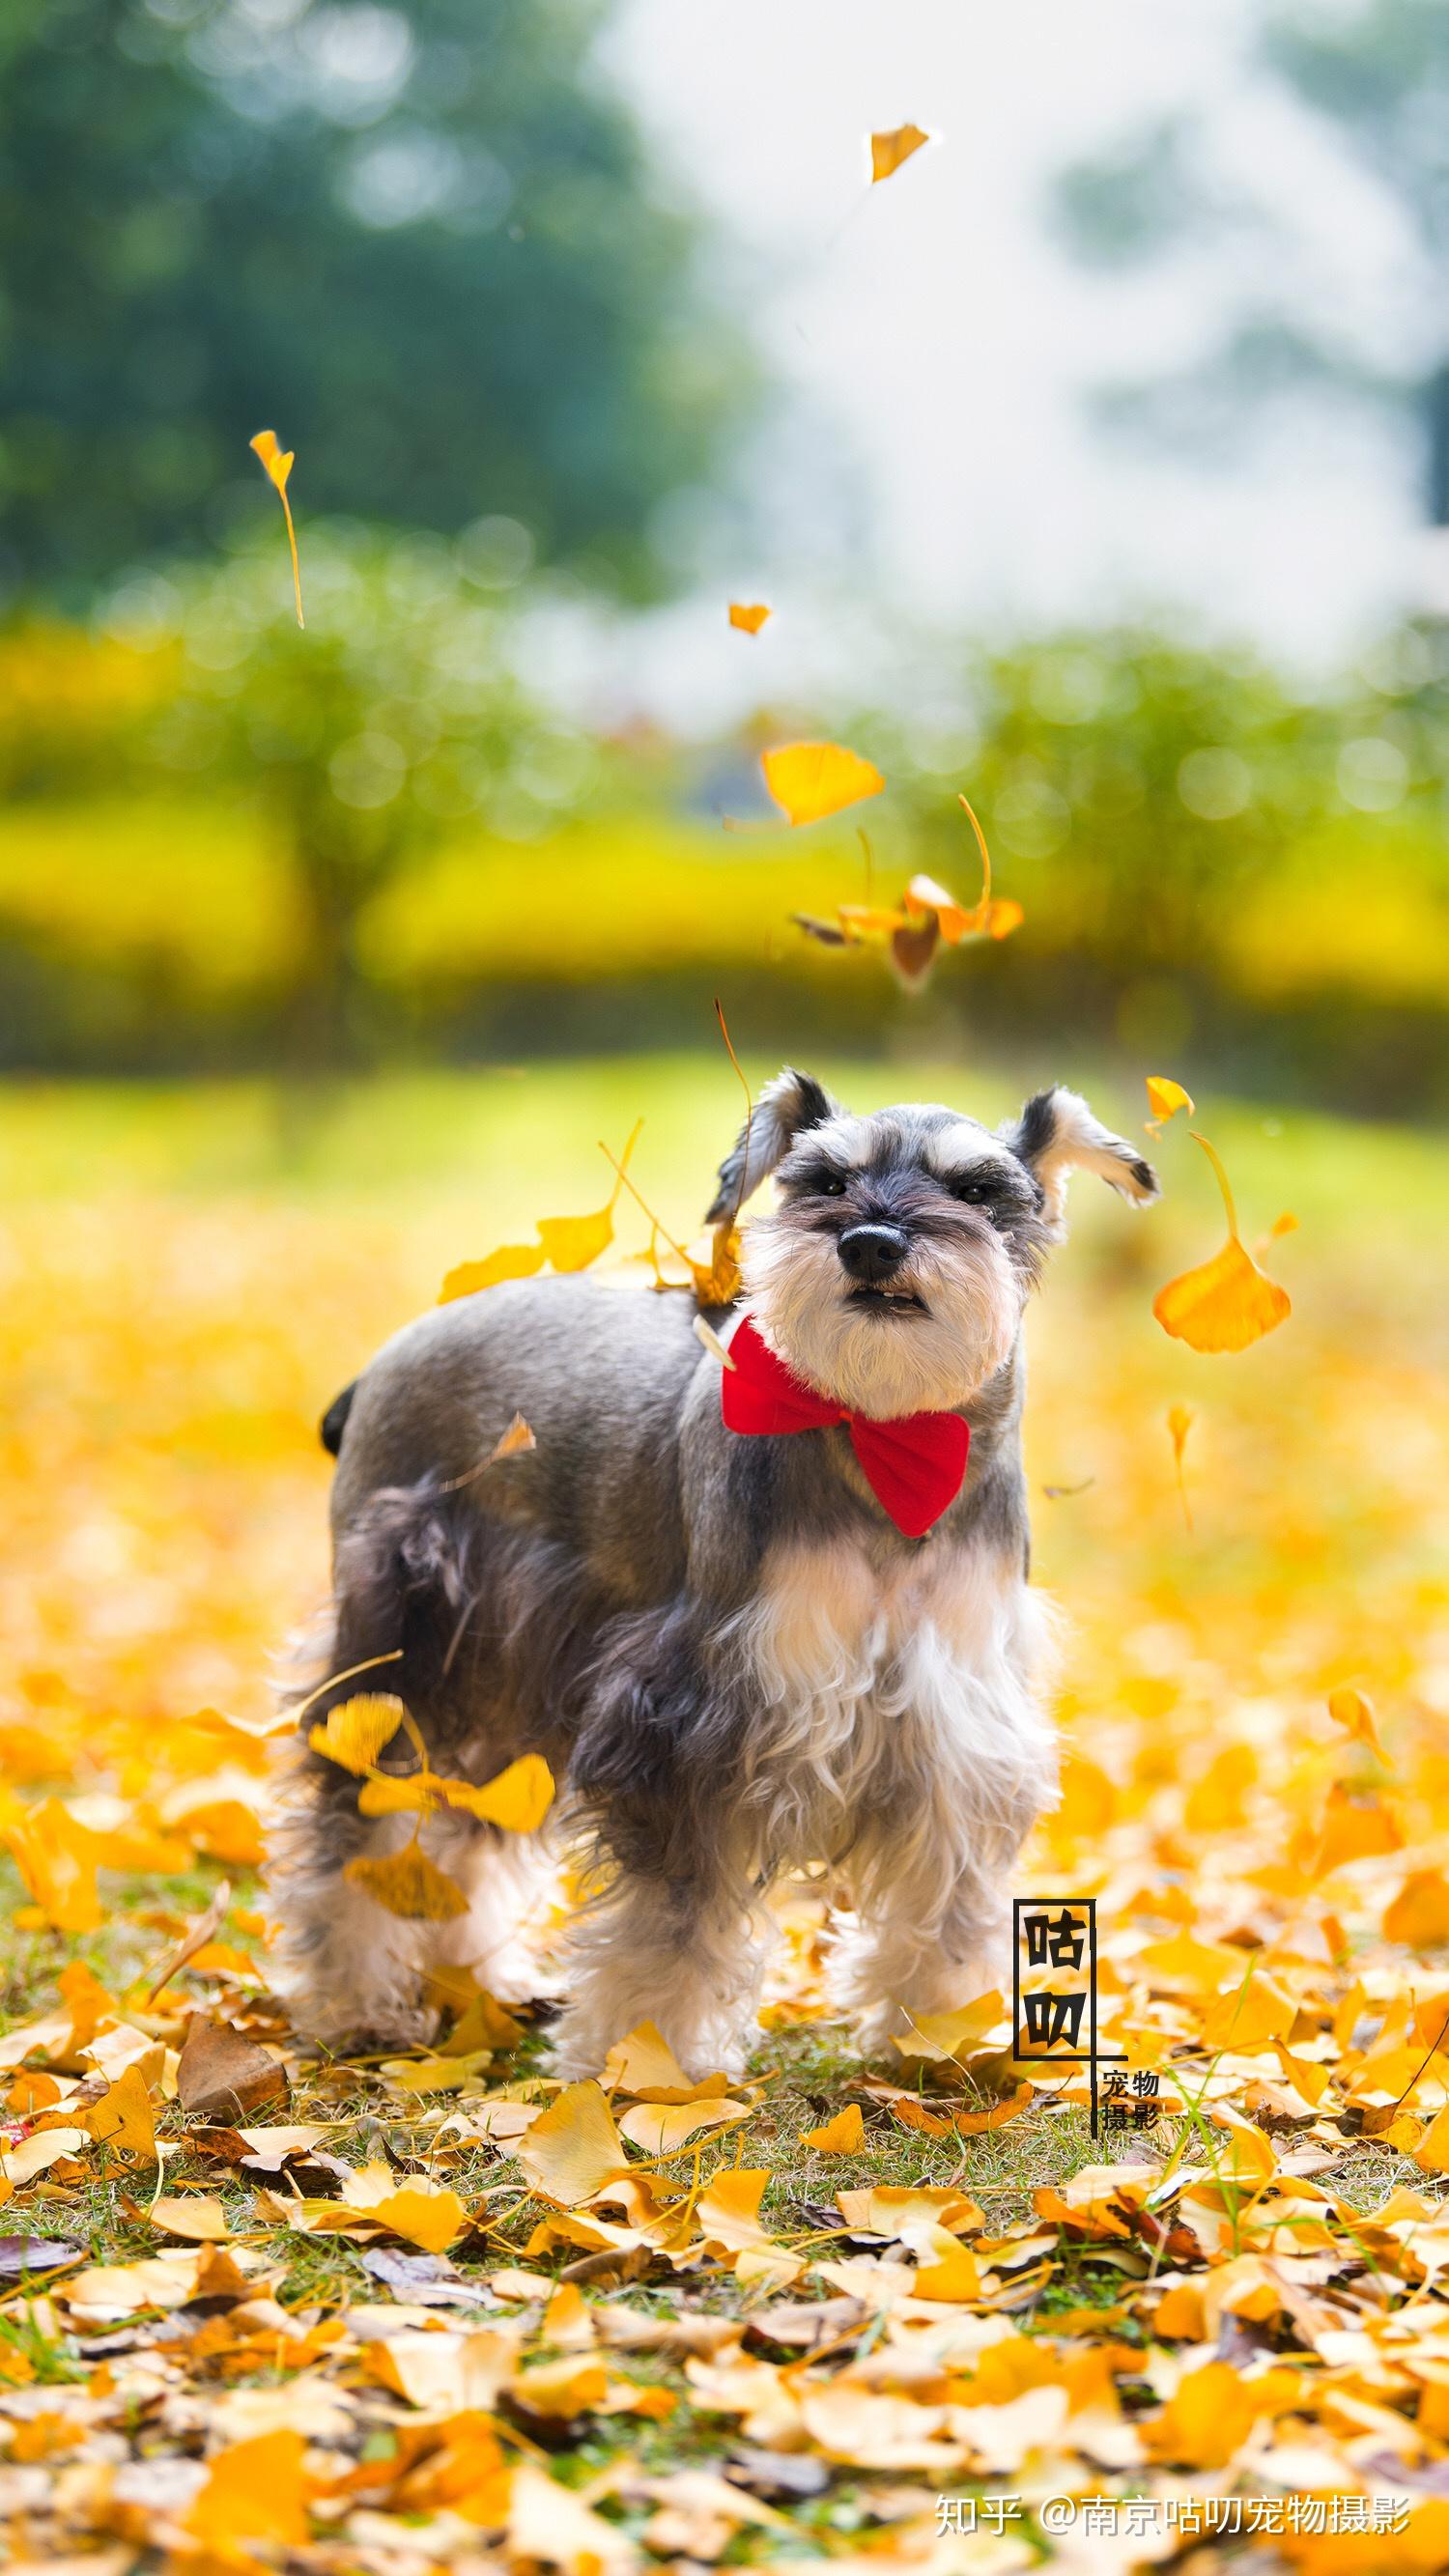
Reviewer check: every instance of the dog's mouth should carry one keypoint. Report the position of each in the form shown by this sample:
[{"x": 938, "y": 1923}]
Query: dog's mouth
[{"x": 887, "y": 1301}]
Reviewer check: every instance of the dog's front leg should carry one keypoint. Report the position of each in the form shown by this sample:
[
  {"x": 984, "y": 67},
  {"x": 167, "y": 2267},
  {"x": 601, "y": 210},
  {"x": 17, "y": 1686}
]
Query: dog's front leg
[
  {"x": 903, "y": 1951},
  {"x": 929, "y": 1873},
  {"x": 686, "y": 1956},
  {"x": 671, "y": 1931}
]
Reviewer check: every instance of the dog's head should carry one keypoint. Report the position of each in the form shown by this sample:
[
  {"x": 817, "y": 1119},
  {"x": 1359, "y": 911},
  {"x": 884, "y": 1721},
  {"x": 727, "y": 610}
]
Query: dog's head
[{"x": 893, "y": 1269}]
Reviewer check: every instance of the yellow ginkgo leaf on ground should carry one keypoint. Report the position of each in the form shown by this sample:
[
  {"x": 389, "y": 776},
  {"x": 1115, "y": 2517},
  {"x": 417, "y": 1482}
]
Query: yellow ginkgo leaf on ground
[
  {"x": 518, "y": 1799},
  {"x": 1354, "y": 1829},
  {"x": 123, "y": 2117},
  {"x": 1228, "y": 1302},
  {"x": 1211, "y": 2412},
  {"x": 277, "y": 463},
  {"x": 1419, "y": 1914},
  {"x": 660, "y": 2128},
  {"x": 197, "y": 2216},
  {"x": 1432, "y": 2151},
  {"x": 728, "y": 2211},
  {"x": 643, "y": 2063},
  {"x": 57, "y": 1858},
  {"x": 573, "y": 2146},
  {"x": 946, "y": 2269},
  {"x": 981, "y": 2024},
  {"x": 972, "y": 2124},
  {"x": 1165, "y": 1097},
  {"x": 409, "y": 1885},
  {"x": 254, "y": 2490},
  {"x": 356, "y": 1731},
  {"x": 842, "y": 2136},
  {"x": 748, "y": 619},
  {"x": 510, "y": 1261},
  {"x": 890, "y": 148},
  {"x": 1350, "y": 1709},
  {"x": 809, "y": 780},
  {"x": 426, "y": 2213}
]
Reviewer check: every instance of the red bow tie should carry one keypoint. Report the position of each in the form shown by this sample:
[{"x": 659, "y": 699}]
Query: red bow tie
[{"x": 915, "y": 1466}]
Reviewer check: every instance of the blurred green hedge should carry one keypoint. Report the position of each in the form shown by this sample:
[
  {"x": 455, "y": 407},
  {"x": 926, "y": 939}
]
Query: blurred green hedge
[{"x": 225, "y": 844}]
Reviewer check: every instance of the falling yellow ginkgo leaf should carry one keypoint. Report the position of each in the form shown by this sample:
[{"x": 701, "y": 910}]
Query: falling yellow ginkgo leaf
[
  {"x": 356, "y": 1730},
  {"x": 518, "y": 1799},
  {"x": 748, "y": 619},
  {"x": 514, "y": 1442},
  {"x": 510, "y": 1261},
  {"x": 810, "y": 780},
  {"x": 567, "y": 1243},
  {"x": 1179, "y": 1423},
  {"x": 1164, "y": 1098},
  {"x": 408, "y": 1884},
  {"x": 1350, "y": 1709},
  {"x": 928, "y": 917},
  {"x": 1226, "y": 1303},
  {"x": 277, "y": 464},
  {"x": 572, "y": 1242},
  {"x": 888, "y": 150}
]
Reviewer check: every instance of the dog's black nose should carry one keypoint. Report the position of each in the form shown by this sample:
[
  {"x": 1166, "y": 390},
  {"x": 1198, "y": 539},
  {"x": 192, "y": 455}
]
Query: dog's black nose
[{"x": 871, "y": 1253}]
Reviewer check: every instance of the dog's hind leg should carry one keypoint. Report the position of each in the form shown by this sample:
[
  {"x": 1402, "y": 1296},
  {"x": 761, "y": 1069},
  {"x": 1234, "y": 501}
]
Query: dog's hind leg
[
  {"x": 406, "y": 1587},
  {"x": 507, "y": 1880},
  {"x": 345, "y": 1965}
]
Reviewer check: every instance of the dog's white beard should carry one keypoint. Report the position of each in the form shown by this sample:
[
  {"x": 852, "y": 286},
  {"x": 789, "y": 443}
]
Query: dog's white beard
[{"x": 884, "y": 1365}]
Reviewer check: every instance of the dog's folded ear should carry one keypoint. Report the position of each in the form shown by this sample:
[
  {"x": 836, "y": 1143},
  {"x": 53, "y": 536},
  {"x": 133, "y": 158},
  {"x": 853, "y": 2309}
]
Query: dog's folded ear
[
  {"x": 1057, "y": 1134},
  {"x": 785, "y": 1109}
]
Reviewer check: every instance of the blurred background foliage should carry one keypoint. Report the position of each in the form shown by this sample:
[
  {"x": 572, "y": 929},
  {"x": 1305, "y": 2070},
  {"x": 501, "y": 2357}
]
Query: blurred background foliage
[
  {"x": 423, "y": 240},
  {"x": 419, "y": 236}
]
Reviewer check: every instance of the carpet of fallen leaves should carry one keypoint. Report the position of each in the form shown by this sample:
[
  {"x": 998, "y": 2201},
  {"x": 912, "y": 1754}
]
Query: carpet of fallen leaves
[{"x": 438, "y": 2312}]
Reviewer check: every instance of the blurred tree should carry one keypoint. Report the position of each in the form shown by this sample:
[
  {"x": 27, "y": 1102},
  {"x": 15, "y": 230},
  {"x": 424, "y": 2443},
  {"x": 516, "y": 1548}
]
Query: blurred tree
[
  {"x": 396, "y": 716},
  {"x": 1134, "y": 788},
  {"x": 419, "y": 238},
  {"x": 1375, "y": 78}
]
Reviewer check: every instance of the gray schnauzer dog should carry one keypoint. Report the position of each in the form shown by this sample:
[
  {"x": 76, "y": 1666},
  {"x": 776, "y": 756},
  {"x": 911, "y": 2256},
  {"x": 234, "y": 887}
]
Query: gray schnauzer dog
[{"x": 722, "y": 1639}]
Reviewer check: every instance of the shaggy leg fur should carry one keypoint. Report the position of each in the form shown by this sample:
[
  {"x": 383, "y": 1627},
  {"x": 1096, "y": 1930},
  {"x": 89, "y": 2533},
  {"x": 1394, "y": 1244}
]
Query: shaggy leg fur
[
  {"x": 345, "y": 1966},
  {"x": 890, "y": 1964},
  {"x": 645, "y": 1951}
]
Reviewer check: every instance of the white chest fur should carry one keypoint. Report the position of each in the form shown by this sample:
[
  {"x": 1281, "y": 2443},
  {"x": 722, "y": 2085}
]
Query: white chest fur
[{"x": 897, "y": 1708}]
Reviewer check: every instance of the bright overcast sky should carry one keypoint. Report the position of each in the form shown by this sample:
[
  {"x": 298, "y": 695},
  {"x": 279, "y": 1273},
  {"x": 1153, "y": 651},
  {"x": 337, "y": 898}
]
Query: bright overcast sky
[{"x": 941, "y": 340}]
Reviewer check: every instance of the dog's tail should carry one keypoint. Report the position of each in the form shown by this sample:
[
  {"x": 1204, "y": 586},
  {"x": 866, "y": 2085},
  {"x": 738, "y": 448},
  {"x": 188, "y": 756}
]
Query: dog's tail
[
  {"x": 404, "y": 1587},
  {"x": 334, "y": 1420}
]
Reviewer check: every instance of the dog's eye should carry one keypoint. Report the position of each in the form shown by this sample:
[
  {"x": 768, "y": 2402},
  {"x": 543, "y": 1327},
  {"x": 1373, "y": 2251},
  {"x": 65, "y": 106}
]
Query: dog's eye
[
  {"x": 974, "y": 1193},
  {"x": 828, "y": 1185}
]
